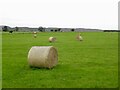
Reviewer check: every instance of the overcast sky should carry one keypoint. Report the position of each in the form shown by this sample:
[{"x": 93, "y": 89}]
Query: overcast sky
[{"x": 98, "y": 14}]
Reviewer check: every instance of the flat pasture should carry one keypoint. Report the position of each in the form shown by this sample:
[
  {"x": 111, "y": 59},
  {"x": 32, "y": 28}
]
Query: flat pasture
[{"x": 91, "y": 63}]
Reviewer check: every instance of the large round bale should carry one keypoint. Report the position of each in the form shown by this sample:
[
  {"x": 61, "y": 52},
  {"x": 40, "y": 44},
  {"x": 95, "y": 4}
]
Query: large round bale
[
  {"x": 43, "y": 56},
  {"x": 52, "y": 39}
]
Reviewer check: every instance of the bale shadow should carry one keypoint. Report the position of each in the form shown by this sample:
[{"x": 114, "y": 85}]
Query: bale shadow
[{"x": 43, "y": 68}]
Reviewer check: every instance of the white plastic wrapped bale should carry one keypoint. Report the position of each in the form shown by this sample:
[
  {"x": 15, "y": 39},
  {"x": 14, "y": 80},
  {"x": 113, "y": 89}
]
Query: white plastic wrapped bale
[
  {"x": 52, "y": 39},
  {"x": 43, "y": 56}
]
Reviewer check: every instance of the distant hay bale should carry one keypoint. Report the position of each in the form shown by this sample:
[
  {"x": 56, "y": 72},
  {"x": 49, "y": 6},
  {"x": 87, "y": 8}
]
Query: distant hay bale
[
  {"x": 79, "y": 37},
  {"x": 52, "y": 39},
  {"x": 35, "y": 35},
  {"x": 34, "y": 32},
  {"x": 43, "y": 56}
]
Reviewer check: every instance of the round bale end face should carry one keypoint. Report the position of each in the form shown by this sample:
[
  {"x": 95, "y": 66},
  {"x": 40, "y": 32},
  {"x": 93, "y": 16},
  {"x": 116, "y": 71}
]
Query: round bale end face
[{"x": 53, "y": 57}]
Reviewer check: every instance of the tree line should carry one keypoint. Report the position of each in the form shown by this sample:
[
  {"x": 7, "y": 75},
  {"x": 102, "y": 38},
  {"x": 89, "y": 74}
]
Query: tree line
[{"x": 40, "y": 29}]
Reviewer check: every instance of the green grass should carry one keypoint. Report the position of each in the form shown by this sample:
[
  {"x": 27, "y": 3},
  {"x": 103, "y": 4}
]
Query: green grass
[
  {"x": 92, "y": 63},
  {"x": 0, "y": 60}
]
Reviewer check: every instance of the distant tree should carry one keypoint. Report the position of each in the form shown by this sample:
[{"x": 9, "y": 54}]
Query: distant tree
[
  {"x": 51, "y": 30},
  {"x": 16, "y": 28},
  {"x": 72, "y": 30},
  {"x": 59, "y": 29},
  {"x": 41, "y": 29},
  {"x": 5, "y": 28},
  {"x": 10, "y": 31},
  {"x": 56, "y": 30}
]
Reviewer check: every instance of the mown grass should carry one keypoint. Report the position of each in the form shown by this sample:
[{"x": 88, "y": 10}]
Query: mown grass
[
  {"x": 0, "y": 60},
  {"x": 92, "y": 63}
]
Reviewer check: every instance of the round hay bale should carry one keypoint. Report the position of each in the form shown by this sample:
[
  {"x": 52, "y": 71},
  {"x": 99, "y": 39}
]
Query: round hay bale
[
  {"x": 34, "y": 32},
  {"x": 52, "y": 39},
  {"x": 79, "y": 37},
  {"x": 35, "y": 35},
  {"x": 43, "y": 56}
]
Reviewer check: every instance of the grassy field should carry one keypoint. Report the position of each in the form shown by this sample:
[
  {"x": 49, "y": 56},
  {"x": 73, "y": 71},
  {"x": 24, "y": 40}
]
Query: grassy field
[
  {"x": 0, "y": 60},
  {"x": 92, "y": 63}
]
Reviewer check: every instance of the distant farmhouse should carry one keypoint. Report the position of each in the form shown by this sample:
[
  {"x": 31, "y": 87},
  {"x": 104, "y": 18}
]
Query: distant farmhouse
[
  {"x": 1, "y": 27},
  {"x": 51, "y": 29}
]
